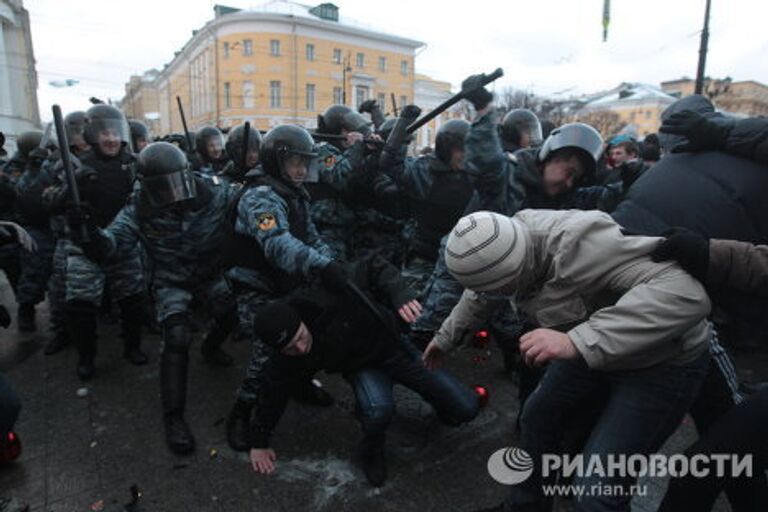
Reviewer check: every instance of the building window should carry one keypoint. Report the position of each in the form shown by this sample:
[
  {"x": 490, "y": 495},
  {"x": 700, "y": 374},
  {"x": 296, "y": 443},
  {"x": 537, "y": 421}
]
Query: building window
[
  {"x": 227, "y": 95},
  {"x": 382, "y": 101},
  {"x": 310, "y": 52},
  {"x": 337, "y": 96},
  {"x": 361, "y": 94},
  {"x": 226, "y": 50},
  {"x": 311, "y": 97},
  {"x": 337, "y": 56},
  {"x": 247, "y": 47},
  {"x": 274, "y": 47},
  {"x": 382, "y": 63},
  {"x": 403, "y": 101},
  {"x": 274, "y": 94},
  {"x": 248, "y": 94},
  {"x": 360, "y": 60},
  {"x": 403, "y": 67}
]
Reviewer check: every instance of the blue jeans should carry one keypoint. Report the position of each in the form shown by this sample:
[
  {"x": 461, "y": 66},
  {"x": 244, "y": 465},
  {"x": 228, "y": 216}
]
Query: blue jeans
[
  {"x": 454, "y": 402},
  {"x": 10, "y": 405},
  {"x": 643, "y": 408}
]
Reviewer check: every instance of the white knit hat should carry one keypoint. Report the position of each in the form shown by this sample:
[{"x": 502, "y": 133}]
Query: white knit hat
[{"x": 485, "y": 250}]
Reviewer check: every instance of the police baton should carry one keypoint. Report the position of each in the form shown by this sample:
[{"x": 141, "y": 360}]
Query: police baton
[{"x": 61, "y": 134}]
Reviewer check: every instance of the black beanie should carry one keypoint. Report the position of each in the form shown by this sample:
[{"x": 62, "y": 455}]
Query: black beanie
[{"x": 276, "y": 324}]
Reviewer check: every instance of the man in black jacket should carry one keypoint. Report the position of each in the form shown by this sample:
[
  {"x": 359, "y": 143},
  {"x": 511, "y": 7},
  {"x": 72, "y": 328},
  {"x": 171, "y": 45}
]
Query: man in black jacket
[{"x": 358, "y": 337}]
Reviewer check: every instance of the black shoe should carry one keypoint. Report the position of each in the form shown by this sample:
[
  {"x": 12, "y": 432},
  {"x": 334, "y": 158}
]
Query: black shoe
[
  {"x": 178, "y": 436},
  {"x": 56, "y": 344},
  {"x": 135, "y": 356},
  {"x": 85, "y": 368},
  {"x": 310, "y": 392},
  {"x": 239, "y": 427},
  {"x": 26, "y": 318},
  {"x": 216, "y": 356},
  {"x": 373, "y": 461}
]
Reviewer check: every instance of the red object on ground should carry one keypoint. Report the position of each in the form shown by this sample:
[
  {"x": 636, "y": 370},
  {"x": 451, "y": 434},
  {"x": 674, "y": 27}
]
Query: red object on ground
[
  {"x": 10, "y": 448},
  {"x": 482, "y": 395},
  {"x": 481, "y": 339}
]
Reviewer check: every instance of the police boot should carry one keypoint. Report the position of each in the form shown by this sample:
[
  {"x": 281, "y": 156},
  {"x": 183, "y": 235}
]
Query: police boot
[
  {"x": 26, "y": 318},
  {"x": 173, "y": 386},
  {"x": 211, "y": 347},
  {"x": 372, "y": 459},
  {"x": 239, "y": 426},
  {"x": 58, "y": 343},
  {"x": 311, "y": 392},
  {"x": 81, "y": 324},
  {"x": 132, "y": 317}
]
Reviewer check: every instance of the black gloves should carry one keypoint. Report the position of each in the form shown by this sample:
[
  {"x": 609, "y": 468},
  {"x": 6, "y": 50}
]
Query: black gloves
[
  {"x": 367, "y": 106},
  {"x": 473, "y": 91},
  {"x": 703, "y": 134},
  {"x": 85, "y": 233},
  {"x": 5, "y": 318},
  {"x": 334, "y": 277},
  {"x": 690, "y": 249}
]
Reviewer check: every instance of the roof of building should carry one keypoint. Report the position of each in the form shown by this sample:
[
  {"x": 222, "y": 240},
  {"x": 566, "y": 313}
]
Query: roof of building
[{"x": 631, "y": 92}]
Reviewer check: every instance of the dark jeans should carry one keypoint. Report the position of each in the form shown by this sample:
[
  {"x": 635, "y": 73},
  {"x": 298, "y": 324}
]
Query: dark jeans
[
  {"x": 642, "y": 409},
  {"x": 10, "y": 405},
  {"x": 741, "y": 431},
  {"x": 454, "y": 402}
]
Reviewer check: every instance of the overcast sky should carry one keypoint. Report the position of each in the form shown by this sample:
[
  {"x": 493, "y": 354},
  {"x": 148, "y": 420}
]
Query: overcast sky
[{"x": 550, "y": 47}]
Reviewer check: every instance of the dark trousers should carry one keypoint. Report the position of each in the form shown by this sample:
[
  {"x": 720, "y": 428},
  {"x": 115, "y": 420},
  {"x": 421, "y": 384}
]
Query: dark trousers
[
  {"x": 454, "y": 402},
  {"x": 740, "y": 432},
  {"x": 643, "y": 408},
  {"x": 10, "y": 405}
]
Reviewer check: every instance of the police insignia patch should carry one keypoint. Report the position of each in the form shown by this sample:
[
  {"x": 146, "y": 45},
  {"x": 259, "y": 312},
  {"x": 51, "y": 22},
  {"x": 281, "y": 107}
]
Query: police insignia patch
[
  {"x": 266, "y": 221},
  {"x": 329, "y": 161}
]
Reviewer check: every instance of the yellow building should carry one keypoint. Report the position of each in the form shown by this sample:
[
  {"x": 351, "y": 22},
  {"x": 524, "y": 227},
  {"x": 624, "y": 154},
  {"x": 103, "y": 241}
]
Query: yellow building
[
  {"x": 281, "y": 63},
  {"x": 429, "y": 94},
  {"x": 636, "y": 109},
  {"x": 747, "y": 97},
  {"x": 141, "y": 101}
]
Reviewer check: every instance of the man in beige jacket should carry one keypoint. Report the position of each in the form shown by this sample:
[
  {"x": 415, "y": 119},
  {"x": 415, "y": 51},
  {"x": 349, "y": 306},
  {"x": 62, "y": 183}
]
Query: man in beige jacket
[{"x": 611, "y": 322}]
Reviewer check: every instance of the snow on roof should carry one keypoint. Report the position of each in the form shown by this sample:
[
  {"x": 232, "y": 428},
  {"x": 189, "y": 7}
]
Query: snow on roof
[{"x": 632, "y": 92}]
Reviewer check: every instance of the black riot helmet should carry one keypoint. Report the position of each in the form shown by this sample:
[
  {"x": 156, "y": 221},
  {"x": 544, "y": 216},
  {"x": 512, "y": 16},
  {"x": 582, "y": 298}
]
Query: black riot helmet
[
  {"x": 450, "y": 136},
  {"x": 234, "y": 145},
  {"x": 74, "y": 123},
  {"x": 139, "y": 135},
  {"x": 28, "y": 141},
  {"x": 164, "y": 175},
  {"x": 574, "y": 135},
  {"x": 386, "y": 129},
  {"x": 520, "y": 128},
  {"x": 340, "y": 117},
  {"x": 209, "y": 143},
  {"x": 104, "y": 118},
  {"x": 280, "y": 143},
  {"x": 3, "y": 152}
]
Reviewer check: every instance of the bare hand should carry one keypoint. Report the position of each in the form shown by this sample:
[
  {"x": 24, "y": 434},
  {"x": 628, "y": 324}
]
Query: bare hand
[
  {"x": 410, "y": 311},
  {"x": 263, "y": 460},
  {"x": 542, "y": 345},
  {"x": 353, "y": 137},
  {"x": 433, "y": 356}
]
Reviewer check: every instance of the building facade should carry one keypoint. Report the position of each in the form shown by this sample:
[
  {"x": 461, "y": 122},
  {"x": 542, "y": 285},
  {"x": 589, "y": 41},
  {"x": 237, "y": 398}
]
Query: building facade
[
  {"x": 746, "y": 97},
  {"x": 278, "y": 63},
  {"x": 141, "y": 101},
  {"x": 634, "y": 108},
  {"x": 428, "y": 94},
  {"x": 18, "y": 77}
]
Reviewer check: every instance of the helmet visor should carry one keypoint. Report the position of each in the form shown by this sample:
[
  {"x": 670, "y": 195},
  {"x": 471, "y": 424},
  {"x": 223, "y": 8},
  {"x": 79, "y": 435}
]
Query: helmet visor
[{"x": 165, "y": 189}]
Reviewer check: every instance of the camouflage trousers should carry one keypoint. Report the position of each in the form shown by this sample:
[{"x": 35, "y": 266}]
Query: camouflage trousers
[
  {"x": 83, "y": 280},
  {"x": 36, "y": 267},
  {"x": 248, "y": 301},
  {"x": 215, "y": 294},
  {"x": 417, "y": 273}
]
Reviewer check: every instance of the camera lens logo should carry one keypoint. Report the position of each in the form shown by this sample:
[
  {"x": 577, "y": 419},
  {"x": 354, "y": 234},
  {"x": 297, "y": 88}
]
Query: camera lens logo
[{"x": 510, "y": 466}]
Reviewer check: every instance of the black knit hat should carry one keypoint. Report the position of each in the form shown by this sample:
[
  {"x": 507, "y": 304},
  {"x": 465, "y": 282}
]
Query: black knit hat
[{"x": 276, "y": 324}]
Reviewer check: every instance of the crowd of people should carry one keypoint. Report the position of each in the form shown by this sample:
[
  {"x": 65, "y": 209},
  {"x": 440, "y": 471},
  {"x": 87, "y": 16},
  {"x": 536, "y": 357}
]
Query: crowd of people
[{"x": 331, "y": 250}]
